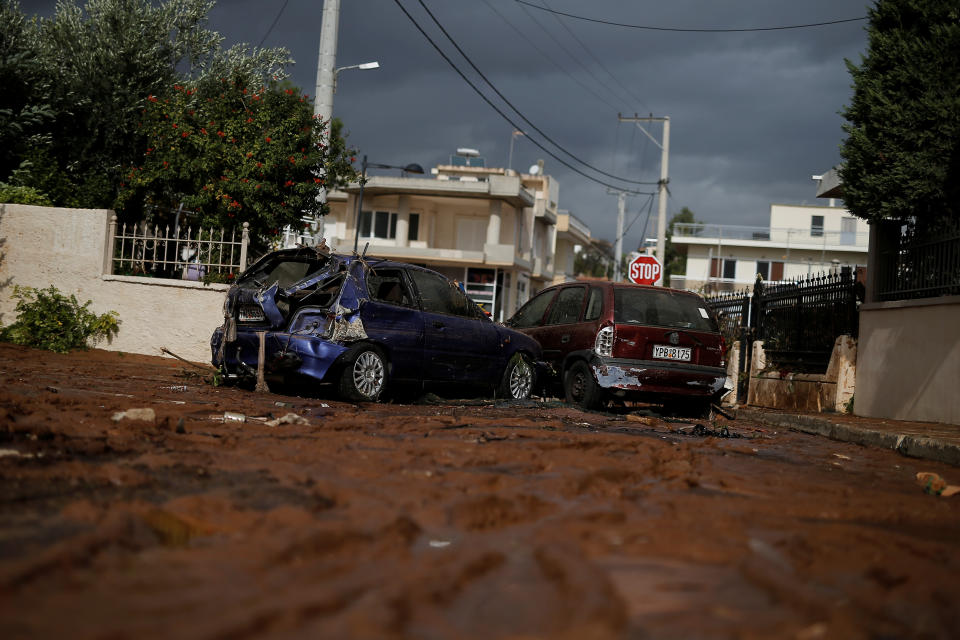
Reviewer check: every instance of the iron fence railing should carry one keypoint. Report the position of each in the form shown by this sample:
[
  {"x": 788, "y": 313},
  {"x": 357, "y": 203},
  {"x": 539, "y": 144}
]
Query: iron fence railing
[
  {"x": 916, "y": 264},
  {"x": 798, "y": 321},
  {"x": 733, "y": 311},
  {"x": 187, "y": 254}
]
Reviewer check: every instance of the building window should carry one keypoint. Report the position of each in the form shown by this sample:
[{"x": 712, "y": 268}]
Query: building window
[
  {"x": 413, "y": 229},
  {"x": 378, "y": 224},
  {"x": 816, "y": 226},
  {"x": 763, "y": 269},
  {"x": 729, "y": 269}
]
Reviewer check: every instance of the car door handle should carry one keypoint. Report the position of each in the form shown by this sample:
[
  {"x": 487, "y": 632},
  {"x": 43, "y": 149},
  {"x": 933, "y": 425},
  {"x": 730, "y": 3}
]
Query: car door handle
[
  {"x": 438, "y": 325},
  {"x": 565, "y": 339}
]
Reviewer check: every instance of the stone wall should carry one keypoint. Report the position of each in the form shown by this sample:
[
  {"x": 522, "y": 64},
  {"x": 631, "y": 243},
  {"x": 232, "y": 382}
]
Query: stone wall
[
  {"x": 831, "y": 391},
  {"x": 67, "y": 248}
]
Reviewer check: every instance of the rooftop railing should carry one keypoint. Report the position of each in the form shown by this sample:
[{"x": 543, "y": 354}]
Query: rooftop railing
[{"x": 778, "y": 235}]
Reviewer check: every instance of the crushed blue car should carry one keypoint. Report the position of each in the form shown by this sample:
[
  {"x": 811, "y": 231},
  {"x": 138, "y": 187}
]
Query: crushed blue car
[{"x": 364, "y": 325}]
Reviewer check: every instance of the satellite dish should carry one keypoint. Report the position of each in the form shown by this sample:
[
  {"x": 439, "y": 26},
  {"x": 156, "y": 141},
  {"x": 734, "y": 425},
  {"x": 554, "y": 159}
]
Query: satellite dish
[{"x": 534, "y": 169}]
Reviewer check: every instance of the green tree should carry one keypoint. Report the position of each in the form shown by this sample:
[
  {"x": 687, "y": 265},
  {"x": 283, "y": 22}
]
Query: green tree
[
  {"x": 98, "y": 66},
  {"x": 594, "y": 260},
  {"x": 234, "y": 153},
  {"x": 901, "y": 158},
  {"x": 675, "y": 262},
  {"x": 23, "y": 106}
]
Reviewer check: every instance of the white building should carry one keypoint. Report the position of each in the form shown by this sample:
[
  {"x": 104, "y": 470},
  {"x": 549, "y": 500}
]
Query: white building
[{"x": 801, "y": 240}]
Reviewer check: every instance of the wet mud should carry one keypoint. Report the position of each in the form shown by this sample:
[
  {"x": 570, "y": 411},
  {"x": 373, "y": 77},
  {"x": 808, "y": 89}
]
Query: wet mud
[{"x": 443, "y": 519}]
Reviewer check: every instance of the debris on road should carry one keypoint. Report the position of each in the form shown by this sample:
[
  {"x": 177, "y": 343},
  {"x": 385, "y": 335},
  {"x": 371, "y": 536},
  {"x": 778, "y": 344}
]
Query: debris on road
[
  {"x": 935, "y": 485},
  {"x": 290, "y": 418},
  {"x": 145, "y": 414}
]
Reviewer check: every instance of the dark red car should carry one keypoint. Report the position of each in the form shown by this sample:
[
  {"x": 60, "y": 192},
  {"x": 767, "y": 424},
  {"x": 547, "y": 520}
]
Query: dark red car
[{"x": 630, "y": 342}]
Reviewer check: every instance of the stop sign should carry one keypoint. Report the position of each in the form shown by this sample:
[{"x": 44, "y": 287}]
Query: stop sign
[{"x": 644, "y": 270}]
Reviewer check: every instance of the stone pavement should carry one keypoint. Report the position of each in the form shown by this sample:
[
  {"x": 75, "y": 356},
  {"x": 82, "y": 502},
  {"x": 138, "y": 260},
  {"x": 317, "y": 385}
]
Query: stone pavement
[{"x": 928, "y": 440}]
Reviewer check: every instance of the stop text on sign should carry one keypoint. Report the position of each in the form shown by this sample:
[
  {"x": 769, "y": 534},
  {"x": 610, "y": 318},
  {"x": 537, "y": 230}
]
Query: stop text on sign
[{"x": 645, "y": 270}]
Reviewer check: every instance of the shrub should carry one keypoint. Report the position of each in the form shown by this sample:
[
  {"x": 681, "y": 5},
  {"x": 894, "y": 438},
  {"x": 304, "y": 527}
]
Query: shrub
[
  {"x": 11, "y": 194},
  {"x": 47, "y": 319}
]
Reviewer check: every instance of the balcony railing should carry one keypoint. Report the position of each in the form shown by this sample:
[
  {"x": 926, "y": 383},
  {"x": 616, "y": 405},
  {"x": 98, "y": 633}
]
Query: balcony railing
[{"x": 775, "y": 235}]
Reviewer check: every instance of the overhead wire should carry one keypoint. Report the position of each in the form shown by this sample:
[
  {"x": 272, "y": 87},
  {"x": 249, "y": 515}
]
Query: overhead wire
[
  {"x": 506, "y": 100},
  {"x": 274, "y": 23},
  {"x": 595, "y": 58},
  {"x": 525, "y": 38},
  {"x": 684, "y": 30},
  {"x": 500, "y": 111},
  {"x": 574, "y": 58}
]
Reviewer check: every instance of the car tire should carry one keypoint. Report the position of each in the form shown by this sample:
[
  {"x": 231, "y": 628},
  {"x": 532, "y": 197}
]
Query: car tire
[
  {"x": 364, "y": 374},
  {"x": 518, "y": 378},
  {"x": 580, "y": 388}
]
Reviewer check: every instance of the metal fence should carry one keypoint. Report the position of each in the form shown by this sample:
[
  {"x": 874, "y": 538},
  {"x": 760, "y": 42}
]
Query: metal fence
[
  {"x": 210, "y": 255},
  {"x": 919, "y": 265},
  {"x": 798, "y": 321}
]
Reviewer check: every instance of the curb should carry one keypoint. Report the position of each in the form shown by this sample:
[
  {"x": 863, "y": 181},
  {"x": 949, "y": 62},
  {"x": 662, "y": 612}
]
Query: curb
[{"x": 908, "y": 445}]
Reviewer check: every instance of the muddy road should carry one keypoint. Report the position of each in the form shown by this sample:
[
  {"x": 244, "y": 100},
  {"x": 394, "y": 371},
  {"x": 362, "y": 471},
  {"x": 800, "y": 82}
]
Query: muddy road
[{"x": 441, "y": 520}]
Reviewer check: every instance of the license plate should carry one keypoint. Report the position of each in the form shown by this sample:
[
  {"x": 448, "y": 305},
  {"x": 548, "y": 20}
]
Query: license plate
[
  {"x": 251, "y": 313},
  {"x": 665, "y": 352}
]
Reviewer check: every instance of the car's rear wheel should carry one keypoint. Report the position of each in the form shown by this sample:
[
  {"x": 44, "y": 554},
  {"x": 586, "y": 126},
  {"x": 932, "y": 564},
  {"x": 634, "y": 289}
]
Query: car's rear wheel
[
  {"x": 580, "y": 388},
  {"x": 517, "y": 381},
  {"x": 364, "y": 375}
]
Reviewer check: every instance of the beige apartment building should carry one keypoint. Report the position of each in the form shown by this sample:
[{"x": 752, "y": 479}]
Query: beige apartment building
[{"x": 496, "y": 231}]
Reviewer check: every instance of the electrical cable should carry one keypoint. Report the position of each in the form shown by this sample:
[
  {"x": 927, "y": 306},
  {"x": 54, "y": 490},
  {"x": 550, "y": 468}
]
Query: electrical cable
[
  {"x": 510, "y": 104},
  {"x": 595, "y": 59},
  {"x": 570, "y": 54},
  {"x": 525, "y": 38},
  {"x": 649, "y": 28},
  {"x": 274, "y": 23}
]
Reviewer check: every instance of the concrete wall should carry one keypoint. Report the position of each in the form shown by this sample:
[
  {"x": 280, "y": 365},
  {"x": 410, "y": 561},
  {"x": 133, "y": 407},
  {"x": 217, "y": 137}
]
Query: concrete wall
[
  {"x": 909, "y": 366},
  {"x": 803, "y": 391},
  {"x": 67, "y": 248}
]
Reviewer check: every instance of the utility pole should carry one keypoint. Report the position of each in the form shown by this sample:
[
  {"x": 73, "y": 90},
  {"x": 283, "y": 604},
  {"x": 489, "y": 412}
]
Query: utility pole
[
  {"x": 618, "y": 246},
  {"x": 664, "y": 177},
  {"x": 327, "y": 59}
]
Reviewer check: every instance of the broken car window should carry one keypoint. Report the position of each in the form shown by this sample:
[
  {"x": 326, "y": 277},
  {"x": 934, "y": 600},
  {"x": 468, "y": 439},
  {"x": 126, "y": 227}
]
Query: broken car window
[{"x": 387, "y": 285}]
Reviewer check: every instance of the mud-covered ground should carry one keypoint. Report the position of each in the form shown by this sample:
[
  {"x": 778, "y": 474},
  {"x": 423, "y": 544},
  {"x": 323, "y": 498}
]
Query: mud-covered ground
[{"x": 441, "y": 520}]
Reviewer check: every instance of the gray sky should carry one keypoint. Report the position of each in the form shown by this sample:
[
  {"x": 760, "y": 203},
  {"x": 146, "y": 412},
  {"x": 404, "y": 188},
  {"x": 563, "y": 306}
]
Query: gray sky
[{"x": 753, "y": 114}]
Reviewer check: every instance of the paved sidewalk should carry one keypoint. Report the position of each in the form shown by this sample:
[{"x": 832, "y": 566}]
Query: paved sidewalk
[{"x": 928, "y": 440}]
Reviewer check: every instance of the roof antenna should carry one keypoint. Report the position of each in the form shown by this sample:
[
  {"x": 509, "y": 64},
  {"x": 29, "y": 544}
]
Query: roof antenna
[{"x": 365, "y": 247}]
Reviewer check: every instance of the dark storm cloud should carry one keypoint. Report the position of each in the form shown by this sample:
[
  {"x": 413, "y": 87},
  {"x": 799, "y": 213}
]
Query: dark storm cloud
[{"x": 753, "y": 115}]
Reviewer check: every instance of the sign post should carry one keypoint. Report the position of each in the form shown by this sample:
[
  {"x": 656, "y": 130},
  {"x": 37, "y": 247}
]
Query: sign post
[{"x": 645, "y": 269}]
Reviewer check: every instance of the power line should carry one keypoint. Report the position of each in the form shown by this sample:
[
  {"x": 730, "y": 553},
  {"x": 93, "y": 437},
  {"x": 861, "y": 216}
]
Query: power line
[
  {"x": 504, "y": 98},
  {"x": 274, "y": 23},
  {"x": 595, "y": 59},
  {"x": 649, "y": 28},
  {"x": 571, "y": 55},
  {"x": 525, "y": 38},
  {"x": 499, "y": 111}
]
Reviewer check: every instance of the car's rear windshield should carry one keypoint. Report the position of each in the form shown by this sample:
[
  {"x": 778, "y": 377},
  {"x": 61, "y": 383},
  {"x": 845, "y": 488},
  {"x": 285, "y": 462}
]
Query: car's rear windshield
[
  {"x": 285, "y": 271},
  {"x": 661, "y": 308}
]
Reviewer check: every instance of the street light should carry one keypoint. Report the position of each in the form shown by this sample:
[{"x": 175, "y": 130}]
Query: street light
[
  {"x": 410, "y": 168},
  {"x": 364, "y": 66}
]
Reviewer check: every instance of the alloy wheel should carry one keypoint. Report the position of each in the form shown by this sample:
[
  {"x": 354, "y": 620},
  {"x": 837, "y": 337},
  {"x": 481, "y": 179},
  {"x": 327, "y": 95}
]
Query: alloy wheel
[
  {"x": 368, "y": 374},
  {"x": 521, "y": 379}
]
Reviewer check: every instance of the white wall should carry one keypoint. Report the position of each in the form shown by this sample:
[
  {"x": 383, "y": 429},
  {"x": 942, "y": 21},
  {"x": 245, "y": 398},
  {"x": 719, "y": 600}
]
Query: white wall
[
  {"x": 908, "y": 364},
  {"x": 66, "y": 248}
]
